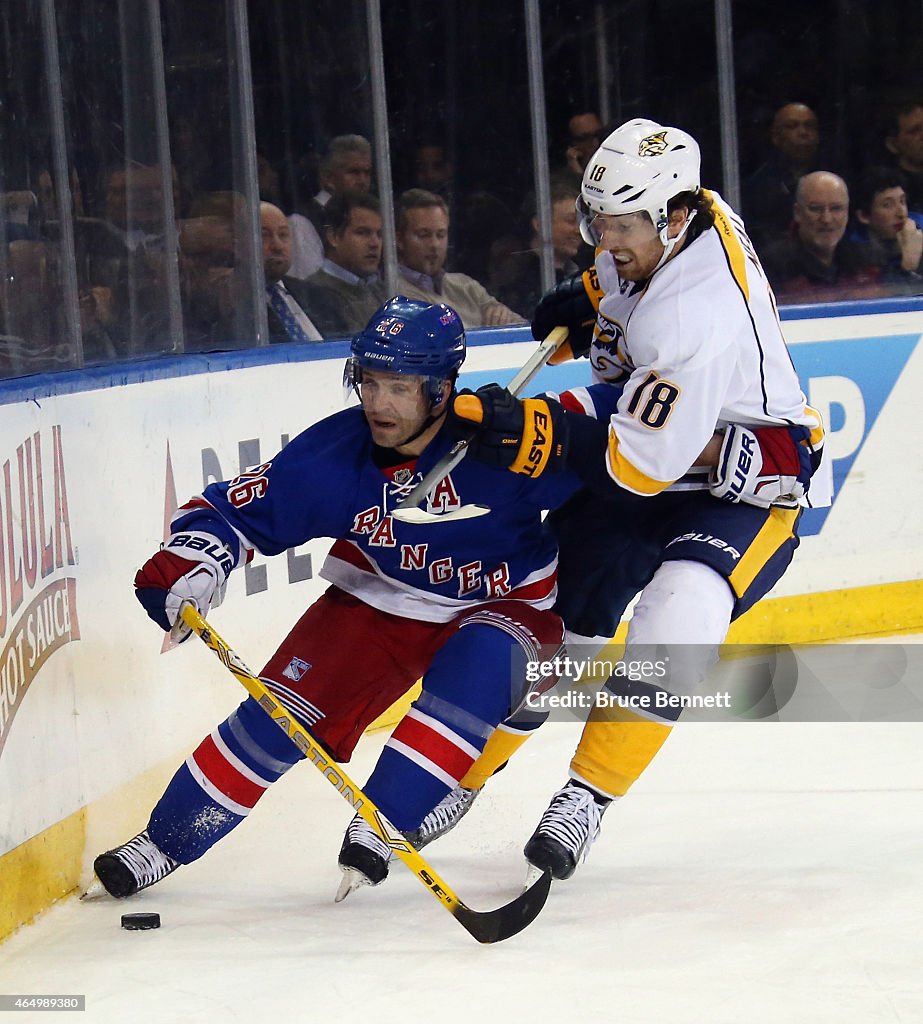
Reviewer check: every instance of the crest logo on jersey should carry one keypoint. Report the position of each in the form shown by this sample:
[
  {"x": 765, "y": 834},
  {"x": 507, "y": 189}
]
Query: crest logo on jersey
[
  {"x": 609, "y": 334},
  {"x": 295, "y": 669},
  {"x": 653, "y": 145},
  {"x": 403, "y": 476},
  {"x": 607, "y": 356}
]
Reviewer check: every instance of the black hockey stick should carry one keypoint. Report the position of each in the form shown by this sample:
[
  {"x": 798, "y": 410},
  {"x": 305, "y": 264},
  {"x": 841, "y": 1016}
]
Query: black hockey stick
[
  {"x": 409, "y": 511},
  {"x": 485, "y": 926}
]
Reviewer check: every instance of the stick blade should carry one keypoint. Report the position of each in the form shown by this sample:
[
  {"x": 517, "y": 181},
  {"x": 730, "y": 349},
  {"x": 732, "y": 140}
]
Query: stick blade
[
  {"x": 420, "y": 517},
  {"x": 508, "y": 920}
]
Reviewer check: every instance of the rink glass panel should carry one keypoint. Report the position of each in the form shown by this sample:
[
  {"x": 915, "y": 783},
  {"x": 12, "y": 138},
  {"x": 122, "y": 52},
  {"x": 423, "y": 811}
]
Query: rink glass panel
[{"x": 129, "y": 132}]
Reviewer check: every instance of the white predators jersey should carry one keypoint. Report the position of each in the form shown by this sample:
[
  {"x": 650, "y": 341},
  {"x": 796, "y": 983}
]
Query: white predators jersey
[{"x": 696, "y": 347}]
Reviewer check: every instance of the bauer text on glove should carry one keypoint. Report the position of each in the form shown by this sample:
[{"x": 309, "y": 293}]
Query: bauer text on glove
[
  {"x": 191, "y": 566},
  {"x": 762, "y": 466}
]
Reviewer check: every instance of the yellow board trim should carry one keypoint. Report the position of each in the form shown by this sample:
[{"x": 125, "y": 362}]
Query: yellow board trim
[
  {"x": 40, "y": 871},
  {"x": 886, "y": 609}
]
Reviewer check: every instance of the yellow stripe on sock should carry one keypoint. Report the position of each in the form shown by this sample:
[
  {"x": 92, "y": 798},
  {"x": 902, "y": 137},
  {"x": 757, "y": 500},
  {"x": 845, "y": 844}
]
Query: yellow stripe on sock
[
  {"x": 500, "y": 747},
  {"x": 615, "y": 748}
]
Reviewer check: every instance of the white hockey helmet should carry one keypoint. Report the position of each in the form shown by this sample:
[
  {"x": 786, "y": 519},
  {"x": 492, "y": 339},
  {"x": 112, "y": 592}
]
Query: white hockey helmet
[{"x": 639, "y": 168}]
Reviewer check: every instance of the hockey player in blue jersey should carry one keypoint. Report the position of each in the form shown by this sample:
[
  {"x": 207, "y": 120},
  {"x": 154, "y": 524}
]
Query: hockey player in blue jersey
[
  {"x": 464, "y": 605},
  {"x": 678, "y": 317}
]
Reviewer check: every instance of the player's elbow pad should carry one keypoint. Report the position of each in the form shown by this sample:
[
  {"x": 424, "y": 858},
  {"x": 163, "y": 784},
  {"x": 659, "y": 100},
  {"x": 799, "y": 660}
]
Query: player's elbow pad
[{"x": 588, "y": 443}]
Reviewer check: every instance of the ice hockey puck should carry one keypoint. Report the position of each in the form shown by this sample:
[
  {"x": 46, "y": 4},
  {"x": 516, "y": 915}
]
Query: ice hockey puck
[{"x": 140, "y": 922}]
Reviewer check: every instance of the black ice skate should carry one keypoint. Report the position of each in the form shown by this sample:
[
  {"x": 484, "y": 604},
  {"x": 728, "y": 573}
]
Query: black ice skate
[
  {"x": 133, "y": 866},
  {"x": 363, "y": 858},
  {"x": 566, "y": 831},
  {"x": 443, "y": 817}
]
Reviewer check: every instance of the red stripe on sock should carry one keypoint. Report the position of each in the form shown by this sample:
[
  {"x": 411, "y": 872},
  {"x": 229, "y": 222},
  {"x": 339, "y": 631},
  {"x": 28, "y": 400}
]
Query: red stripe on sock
[
  {"x": 224, "y": 776},
  {"x": 434, "y": 746}
]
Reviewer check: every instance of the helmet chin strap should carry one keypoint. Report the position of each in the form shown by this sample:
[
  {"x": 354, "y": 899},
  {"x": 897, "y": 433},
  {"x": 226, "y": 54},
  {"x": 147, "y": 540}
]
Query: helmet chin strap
[{"x": 669, "y": 244}]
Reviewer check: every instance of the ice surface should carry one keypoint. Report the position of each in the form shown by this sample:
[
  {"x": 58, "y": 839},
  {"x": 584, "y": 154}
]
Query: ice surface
[{"x": 758, "y": 872}]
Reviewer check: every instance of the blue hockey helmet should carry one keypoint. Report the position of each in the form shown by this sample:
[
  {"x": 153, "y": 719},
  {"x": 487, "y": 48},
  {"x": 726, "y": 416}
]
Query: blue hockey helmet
[{"x": 407, "y": 336}]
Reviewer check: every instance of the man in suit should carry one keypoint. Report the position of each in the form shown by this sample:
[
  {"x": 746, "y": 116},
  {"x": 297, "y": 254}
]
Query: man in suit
[
  {"x": 348, "y": 279},
  {"x": 422, "y": 249},
  {"x": 287, "y": 298},
  {"x": 345, "y": 169}
]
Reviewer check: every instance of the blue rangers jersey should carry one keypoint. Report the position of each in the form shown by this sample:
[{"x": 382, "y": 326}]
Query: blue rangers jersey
[{"x": 327, "y": 483}]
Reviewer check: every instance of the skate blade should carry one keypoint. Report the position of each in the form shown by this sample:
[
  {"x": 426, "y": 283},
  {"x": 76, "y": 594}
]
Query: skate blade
[
  {"x": 95, "y": 891},
  {"x": 351, "y": 880},
  {"x": 533, "y": 874}
]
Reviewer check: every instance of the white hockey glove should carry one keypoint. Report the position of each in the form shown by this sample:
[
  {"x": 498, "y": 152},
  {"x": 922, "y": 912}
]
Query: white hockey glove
[
  {"x": 764, "y": 466},
  {"x": 190, "y": 567}
]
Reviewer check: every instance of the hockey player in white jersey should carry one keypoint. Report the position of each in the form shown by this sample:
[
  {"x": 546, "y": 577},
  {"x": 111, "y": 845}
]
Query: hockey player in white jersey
[{"x": 678, "y": 314}]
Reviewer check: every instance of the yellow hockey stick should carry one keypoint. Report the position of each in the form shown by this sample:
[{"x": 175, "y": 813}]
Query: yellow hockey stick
[{"x": 485, "y": 926}]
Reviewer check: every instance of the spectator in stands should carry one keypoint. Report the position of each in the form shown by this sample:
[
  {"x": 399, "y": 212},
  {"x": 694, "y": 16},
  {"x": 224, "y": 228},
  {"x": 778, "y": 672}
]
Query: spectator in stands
[
  {"x": 768, "y": 194},
  {"x": 889, "y": 234},
  {"x": 345, "y": 169},
  {"x": 122, "y": 261},
  {"x": 344, "y": 293},
  {"x": 208, "y": 269},
  {"x": 134, "y": 205},
  {"x": 815, "y": 263},
  {"x": 32, "y": 269},
  {"x": 431, "y": 168},
  {"x": 19, "y": 215},
  {"x": 584, "y": 135},
  {"x": 904, "y": 141},
  {"x": 481, "y": 217},
  {"x": 422, "y": 246},
  {"x": 267, "y": 179},
  {"x": 516, "y": 277},
  {"x": 191, "y": 148},
  {"x": 288, "y": 299}
]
